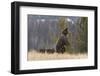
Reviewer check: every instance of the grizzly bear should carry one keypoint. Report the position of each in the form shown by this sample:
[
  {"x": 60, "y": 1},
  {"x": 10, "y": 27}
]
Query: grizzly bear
[{"x": 62, "y": 42}]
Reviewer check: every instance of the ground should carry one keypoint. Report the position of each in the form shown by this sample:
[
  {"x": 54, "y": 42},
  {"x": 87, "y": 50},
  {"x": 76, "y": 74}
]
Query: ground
[{"x": 32, "y": 55}]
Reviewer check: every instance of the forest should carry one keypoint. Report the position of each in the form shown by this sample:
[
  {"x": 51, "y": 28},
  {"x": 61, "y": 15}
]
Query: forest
[{"x": 45, "y": 31}]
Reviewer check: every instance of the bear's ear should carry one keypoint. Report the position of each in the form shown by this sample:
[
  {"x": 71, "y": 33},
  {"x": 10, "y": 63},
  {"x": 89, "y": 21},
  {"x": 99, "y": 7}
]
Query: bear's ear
[{"x": 65, "y": 31}]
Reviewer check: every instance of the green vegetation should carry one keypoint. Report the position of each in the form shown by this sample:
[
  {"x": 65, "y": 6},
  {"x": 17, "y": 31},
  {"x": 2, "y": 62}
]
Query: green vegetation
[
  {"x": 62, "y": 23},
  {"x": 83, "y": 34}
]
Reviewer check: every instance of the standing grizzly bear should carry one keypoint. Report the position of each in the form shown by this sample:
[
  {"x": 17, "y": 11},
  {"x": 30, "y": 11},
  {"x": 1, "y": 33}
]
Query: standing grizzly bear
[{"x": 62, "y": 42}]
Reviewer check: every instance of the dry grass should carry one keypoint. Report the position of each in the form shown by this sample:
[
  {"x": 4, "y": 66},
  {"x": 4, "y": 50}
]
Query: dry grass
[{"x": 32, "y": 55}]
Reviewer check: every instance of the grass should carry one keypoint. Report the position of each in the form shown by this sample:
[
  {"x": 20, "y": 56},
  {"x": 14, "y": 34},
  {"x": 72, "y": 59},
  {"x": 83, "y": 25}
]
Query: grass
[{"x": 32, "y": 55}]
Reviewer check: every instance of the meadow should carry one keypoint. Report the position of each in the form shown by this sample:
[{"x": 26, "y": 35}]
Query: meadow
[{"x": 33, "y": 55}]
